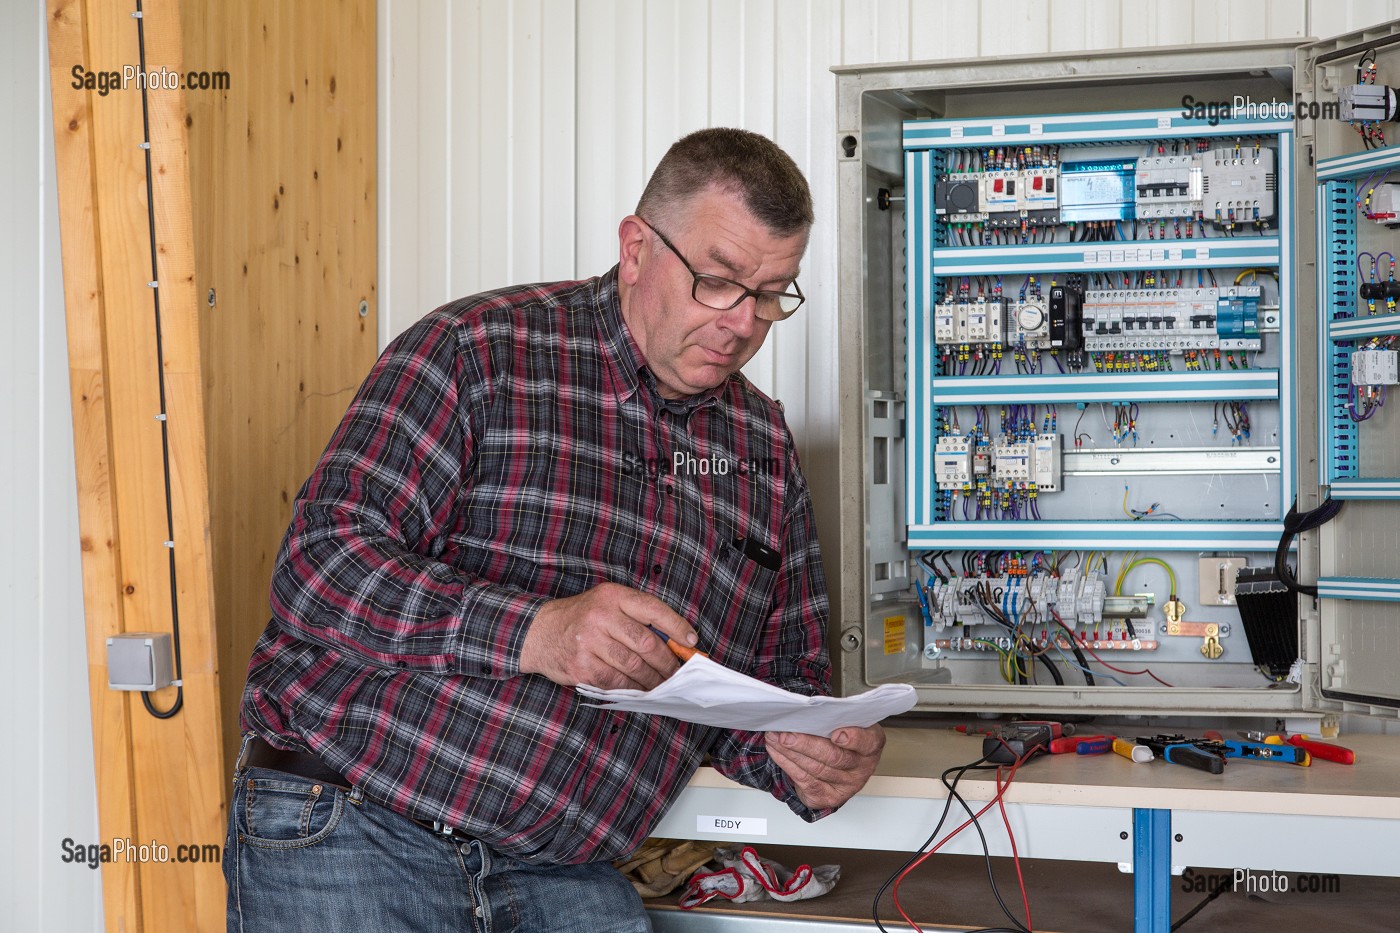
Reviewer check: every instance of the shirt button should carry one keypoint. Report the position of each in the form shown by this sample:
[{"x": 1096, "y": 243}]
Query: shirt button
[
  {"x": 401, "y": 664},
  {"x": 485, "y": 668},
  {"x": 656, "y": 568},
  {"x": 612, "y": 730},
  {"x": 670, "y": 490}
]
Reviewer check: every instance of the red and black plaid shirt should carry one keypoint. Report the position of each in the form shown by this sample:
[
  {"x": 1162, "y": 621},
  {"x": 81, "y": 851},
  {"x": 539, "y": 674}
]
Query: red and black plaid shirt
[{"x": 508, "y": 449}]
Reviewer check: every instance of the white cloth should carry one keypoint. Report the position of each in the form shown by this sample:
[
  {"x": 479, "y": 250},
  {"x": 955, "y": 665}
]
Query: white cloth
[
  {"x": 713, "y": 695},
  {"x": 746, "y": 876}
]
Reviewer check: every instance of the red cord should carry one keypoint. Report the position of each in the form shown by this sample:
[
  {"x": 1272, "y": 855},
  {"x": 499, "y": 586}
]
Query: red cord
[
  {"x": 1085, "y": 646},
  {"x": 1015, "y": 856},
  {"x": 995, "y": 801}
]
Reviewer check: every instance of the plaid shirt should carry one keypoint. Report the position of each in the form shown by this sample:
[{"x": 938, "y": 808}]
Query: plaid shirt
[{"x": 508, "y": 449}]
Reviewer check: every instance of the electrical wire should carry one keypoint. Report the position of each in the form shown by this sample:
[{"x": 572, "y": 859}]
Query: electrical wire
[
  {"x": 1294, "y": 524},
  {"x": 1123, "y": 574},
  {"x": 179, "y": 681},
  {"x": 1198, "y": 908},
  {"x": 1119, "y": 670},
  {"x": 920, "y": 855}
]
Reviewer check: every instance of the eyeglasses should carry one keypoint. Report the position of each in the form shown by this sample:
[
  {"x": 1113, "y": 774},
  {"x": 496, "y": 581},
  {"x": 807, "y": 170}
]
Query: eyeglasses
[{"x": 721, "y": 294}]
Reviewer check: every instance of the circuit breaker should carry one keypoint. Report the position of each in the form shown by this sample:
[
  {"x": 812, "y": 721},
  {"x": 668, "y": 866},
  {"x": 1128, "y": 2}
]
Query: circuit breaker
[{"x": 1092, "y": 298}]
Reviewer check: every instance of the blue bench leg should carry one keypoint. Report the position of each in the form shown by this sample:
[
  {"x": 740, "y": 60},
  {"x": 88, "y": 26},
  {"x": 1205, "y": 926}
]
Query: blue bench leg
[{"x": 1152, "y": 871}]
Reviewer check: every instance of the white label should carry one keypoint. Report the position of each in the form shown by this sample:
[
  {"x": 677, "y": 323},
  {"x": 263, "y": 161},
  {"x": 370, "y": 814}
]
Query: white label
[
  {"x": 1105, "y": 256},
  {"x": 1158, "y": 255},
  {"x": 1202, "y": 252},
  {"x": 733, "y": 825},
  {"x": 1091, "y": 256},
  {"x": 1036, "y": 129},
  {"x": 955, "y": 132},
  {"x": 1174, "y": 253},
  {"x": 999, "y": 130},
  {"x": 1164, "y": 123}
]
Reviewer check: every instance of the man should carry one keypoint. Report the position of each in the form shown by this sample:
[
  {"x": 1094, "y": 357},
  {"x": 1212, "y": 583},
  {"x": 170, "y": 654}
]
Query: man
[{"x": 529, "y": 482}]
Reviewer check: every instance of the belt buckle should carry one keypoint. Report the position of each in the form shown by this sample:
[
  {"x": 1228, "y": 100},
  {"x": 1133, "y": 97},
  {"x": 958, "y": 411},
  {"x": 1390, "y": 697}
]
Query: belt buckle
[{"x": 445, "y": 829}]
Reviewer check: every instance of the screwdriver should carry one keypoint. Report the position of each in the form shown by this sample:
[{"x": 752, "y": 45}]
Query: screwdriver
[{"x": 1082, "y": 745}]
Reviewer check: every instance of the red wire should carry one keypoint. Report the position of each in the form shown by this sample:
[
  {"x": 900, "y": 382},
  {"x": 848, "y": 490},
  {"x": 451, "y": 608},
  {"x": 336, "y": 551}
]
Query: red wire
[
  {"x": 995, "y": 801},
  {"x": 1015, "y": 856},
  {"x": 1085, "y": 646}
]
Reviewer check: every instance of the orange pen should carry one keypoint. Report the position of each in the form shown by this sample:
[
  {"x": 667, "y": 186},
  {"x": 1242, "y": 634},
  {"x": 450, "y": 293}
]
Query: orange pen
[{"x": 684, "y": 652}]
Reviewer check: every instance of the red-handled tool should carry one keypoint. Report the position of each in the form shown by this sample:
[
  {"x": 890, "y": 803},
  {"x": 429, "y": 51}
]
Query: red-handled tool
[
  {"x": 1082, "y": 745},
  {"x": 1324, "y": 750}
]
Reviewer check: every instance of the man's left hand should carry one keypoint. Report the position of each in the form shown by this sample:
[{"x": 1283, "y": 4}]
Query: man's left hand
[{"x": 827, "y": 772}]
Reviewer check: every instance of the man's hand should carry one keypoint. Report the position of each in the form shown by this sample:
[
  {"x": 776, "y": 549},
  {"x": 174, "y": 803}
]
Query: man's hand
[
  {"x": 600, "y": 637},
  {"x": 827, "y": 772}
]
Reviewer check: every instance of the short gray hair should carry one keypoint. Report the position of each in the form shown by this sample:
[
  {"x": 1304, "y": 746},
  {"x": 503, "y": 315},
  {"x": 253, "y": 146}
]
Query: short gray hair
[{"x": 765, "y": 177}]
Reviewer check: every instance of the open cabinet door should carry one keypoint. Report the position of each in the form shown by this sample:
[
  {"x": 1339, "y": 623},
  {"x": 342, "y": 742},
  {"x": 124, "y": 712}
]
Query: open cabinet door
[{"x": 1344, "y": 82}]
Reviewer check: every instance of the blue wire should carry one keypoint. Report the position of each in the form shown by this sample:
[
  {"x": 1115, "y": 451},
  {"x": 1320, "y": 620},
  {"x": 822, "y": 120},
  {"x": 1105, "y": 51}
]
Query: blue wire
[{"x": 1062, "y": 654}]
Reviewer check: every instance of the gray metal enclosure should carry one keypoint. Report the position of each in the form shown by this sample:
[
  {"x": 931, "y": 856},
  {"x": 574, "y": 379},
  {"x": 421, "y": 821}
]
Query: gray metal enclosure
[{"x": 1230, "y": 515}]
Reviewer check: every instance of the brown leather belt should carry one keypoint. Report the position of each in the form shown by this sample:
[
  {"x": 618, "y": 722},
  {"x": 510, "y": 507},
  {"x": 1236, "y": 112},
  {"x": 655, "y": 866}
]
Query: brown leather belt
[{"x": 306, "y": 765}]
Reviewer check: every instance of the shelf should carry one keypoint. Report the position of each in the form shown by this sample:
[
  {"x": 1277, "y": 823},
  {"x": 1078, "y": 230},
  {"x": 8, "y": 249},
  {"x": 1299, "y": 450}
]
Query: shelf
[
  {"x": 1209, "y": 253},
  {"x": 1358, "y": 328},
  {"x": 1227, "y": 386},
  {"x": 1373, "y": 488},
  {"x": 1128, "y": 126},
  {"x": 1093, "y": 535},
  {"x": 1375, "y": 588}
]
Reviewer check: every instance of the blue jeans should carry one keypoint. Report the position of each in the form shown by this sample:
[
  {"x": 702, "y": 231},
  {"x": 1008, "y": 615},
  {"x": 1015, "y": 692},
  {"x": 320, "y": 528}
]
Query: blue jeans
[{"x": 310, "y": 858}]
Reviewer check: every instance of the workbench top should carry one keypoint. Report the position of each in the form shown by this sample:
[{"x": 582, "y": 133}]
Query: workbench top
[{"x": 914, "y": 757}]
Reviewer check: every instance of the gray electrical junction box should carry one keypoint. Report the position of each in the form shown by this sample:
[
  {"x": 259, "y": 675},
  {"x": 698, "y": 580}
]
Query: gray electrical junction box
[
  {"x": 139, "y": 661},
  {"x": 1097, "y": 314}
]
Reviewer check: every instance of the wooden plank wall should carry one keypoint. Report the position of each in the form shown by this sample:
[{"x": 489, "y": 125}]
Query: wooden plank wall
[
  {"x": 263, "y": 192},
  {"x": 285, "y": 213},
  {"x": 159, "y": 781}
]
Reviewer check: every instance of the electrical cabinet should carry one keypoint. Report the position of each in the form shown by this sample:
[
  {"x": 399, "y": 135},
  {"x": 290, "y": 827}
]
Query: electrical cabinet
[{"x": 1117, "y": 336}]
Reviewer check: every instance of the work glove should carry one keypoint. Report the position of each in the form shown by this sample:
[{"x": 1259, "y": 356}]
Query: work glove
[
  {"x": 747, "y": 876},
  {"x": 662, "y": 865}
]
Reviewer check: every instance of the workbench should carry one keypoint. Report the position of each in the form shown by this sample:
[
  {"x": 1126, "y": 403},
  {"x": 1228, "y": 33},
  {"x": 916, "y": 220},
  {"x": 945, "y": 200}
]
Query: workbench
[{"x": 1149, "y": 819}]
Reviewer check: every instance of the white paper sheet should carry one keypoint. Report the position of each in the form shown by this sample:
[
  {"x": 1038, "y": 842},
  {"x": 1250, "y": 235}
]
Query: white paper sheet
[{"x": 713, "y": 695}]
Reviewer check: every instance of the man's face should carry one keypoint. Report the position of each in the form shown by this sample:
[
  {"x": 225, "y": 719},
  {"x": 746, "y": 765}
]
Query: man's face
[{"x": 690, "y": 347}]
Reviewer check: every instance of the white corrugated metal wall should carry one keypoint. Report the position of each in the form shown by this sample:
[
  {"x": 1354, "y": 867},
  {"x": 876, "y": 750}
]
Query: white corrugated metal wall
[
  {"x": 513, "y": 136},
  {"x": 47, "y": 789}
]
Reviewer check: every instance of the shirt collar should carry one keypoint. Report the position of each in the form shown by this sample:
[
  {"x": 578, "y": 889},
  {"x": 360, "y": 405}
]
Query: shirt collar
[{"x": 626, "y": 365}]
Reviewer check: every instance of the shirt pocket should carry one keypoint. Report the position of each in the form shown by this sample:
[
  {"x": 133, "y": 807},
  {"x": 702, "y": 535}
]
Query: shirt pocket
[
  {"x": 282, "y": 813},
  {"x": 739, "y": 599}
]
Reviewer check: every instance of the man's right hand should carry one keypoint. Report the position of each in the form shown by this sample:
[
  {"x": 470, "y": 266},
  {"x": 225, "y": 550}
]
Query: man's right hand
[{"x": 600, "y": 637}]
